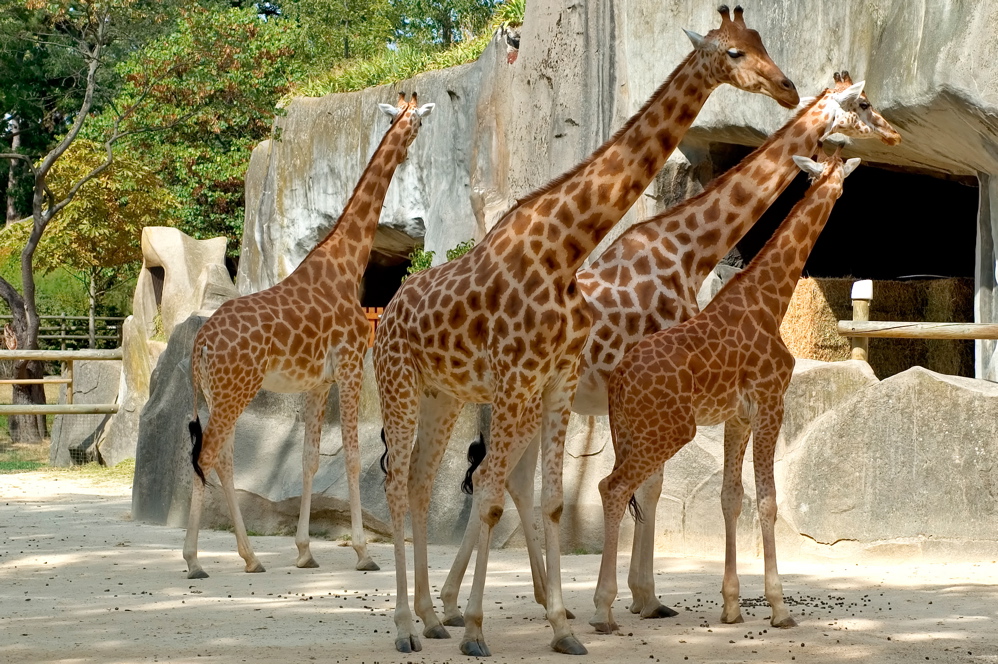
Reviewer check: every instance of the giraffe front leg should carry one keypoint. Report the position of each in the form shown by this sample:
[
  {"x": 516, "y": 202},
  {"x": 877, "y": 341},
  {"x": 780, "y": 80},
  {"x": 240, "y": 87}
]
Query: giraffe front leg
[
  {"x": 556, "y": 411},
  {"x": 521, "y": 489},
  {"x": 452, "y": 586},
  {"x": 765, "y": 432},
  {"x": 641, "y": 575},
  {"x": 315, "y": 410},
  {"x": 736, "y": 435},
  {"x": 351, "y": 373},
  {"x": 614, "y": 503}
]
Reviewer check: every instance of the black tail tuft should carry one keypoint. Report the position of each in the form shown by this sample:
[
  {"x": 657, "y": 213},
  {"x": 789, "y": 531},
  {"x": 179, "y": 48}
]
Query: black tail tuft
[
  {"x": 384, "y": 456},
  {"x": 197, "y": 438},
  {"x": 476, "y": 454},
  {"x": 635, "y": 509}
]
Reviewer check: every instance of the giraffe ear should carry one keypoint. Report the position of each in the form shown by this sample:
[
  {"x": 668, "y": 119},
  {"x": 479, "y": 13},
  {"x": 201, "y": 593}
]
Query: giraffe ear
[
  {"x": 699, "y": 41},
  {"x": 809, "y": 166},
  {"x": 850, "y": 166},
  {"x": 850, "y": 94},
  {"x": 425, "y": 109},
  {"x": 389, "y": 110}
]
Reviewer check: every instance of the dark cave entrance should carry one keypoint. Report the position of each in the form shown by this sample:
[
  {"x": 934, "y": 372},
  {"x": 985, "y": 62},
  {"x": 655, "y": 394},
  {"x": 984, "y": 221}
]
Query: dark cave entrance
[{"x": 381, "y": 282}]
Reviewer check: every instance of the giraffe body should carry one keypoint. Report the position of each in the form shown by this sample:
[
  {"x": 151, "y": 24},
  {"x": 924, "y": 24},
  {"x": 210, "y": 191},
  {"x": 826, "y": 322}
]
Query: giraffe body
[
  {"x": 647, "y": 281},
  {"x": 726, "y": 364},
  {"x": 301, "y": 335},
  {"x": 506, "y": 324}
]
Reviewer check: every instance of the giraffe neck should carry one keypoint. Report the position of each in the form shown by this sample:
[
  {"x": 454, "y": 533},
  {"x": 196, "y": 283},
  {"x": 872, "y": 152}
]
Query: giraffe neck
[
  {"x": 773, "y": 274},
  {"x": 349, "y": 242},
  {"x": 703, "y": 229},
  {"x": 564, "y": 221}
]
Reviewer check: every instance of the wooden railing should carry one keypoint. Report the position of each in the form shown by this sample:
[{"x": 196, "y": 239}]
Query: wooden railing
[
  {"x": 67, "y": 357},
  {"x": 71, "y": 332},
  {"x": 861, "y": 328}
]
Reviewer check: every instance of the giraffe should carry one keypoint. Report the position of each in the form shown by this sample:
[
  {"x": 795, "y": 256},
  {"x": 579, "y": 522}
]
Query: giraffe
[
  {"x": 726, "y": 364},
  {"x": 505, "y": 323},
  {"x": 647, "y": 280},
  {"x": 301, "y": 335}
]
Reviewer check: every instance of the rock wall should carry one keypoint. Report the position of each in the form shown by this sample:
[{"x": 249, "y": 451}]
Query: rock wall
[{"x": 501, "y": 129}]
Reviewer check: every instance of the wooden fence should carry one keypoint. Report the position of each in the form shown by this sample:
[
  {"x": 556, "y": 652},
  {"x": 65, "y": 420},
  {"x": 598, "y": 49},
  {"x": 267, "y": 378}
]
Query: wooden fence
[
  {"x": 373, "y": 317},
  {"x": 73, "y": 332},
  {"x": 861, "y": 328},
  {"x": 67, "y": 357}
]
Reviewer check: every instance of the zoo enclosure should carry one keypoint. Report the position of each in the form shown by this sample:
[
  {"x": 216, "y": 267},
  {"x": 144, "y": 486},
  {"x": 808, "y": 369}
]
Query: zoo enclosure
[{"x": 73, "y": 333}]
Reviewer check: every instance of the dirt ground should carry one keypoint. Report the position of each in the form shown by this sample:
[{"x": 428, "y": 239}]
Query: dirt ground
[{"x": 81, "y": 582}]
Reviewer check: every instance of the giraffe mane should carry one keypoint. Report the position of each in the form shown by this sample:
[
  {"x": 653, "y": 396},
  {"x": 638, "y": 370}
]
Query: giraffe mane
[
  {"x": 568, "y": 175},
  {"x": 739, "y": 167}
]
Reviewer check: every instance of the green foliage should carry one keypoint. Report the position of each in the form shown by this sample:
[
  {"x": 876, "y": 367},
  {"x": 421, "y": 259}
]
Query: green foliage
[
  {"x": 56, "y": 293},
  {"x": 460, "y": 250},
  {"x": 328, "y": 32},
  {"x": 440, "y": 22},
  {"x": 510, "y": 12},
  {"x": 420, "y": 260}
]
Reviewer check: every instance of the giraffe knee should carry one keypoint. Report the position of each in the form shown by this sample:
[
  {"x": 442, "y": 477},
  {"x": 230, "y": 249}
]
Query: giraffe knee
[
  {"x": 555, "y": 514},
  {"x": 492, "y": 515}
]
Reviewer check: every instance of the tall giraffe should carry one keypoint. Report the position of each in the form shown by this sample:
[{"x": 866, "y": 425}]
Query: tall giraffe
[
  {"x": 726, "y": 364},
  {"x": 301, "y": 335},
  {"x": 647, "y": 280},
  {"x": 505, "y": 324}
]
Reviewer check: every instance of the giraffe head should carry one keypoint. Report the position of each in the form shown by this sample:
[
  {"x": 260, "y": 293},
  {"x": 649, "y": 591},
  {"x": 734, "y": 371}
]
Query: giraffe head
[
  {"x": 734, "y": 54},
  {"x": 828, "y": 168},
  {"x": 407, "y": 116},
  {"x": 857, "y": 117}
]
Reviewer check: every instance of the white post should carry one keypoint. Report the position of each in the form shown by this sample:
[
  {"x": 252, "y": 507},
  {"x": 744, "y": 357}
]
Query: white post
[{"x": 862, "y": 293}]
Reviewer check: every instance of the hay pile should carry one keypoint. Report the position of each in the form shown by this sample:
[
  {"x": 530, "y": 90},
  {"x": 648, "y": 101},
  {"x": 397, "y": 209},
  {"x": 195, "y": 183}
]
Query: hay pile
[{"x": 809, "y": 328}]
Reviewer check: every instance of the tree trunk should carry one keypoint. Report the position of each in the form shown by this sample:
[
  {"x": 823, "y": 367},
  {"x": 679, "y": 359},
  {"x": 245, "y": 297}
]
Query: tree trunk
[
  {"x": 28, "y": 428},
  {"x": 92, "y": 319},
  {"x": 12, "y": 214}
]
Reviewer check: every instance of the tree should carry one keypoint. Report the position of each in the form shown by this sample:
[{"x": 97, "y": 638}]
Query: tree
[
  {"x": 86, "y": 37},
  {"x": 97, "y": 238},
  {"x": 441, "y": 22}
]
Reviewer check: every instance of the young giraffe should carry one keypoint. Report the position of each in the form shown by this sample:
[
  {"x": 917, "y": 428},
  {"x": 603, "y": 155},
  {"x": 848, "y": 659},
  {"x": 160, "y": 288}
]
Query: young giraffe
[
  {"x": 505, "y": 324},
  {"x": 300, "y": 335},
  {"x": 647, "y": 280},
  {"x": 726, "y": 364}
]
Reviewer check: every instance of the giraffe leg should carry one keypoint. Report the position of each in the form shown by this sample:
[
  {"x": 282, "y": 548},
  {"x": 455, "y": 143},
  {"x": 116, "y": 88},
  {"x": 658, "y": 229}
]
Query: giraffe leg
[
  {"x": 514, "y": 423},
  {"x": 315, "y": 410},
  {"x": 736, "y": 436},
  {"x": 397, "y": 389},
  {"x": 614, "y": 493},
  {"x": 764, "y": 434},
  {"x": 641, "y": 575},
  {"x": 224, "y": 470},
  {"x": 194, "y": 569},
  {"x": 351, "y": 371},
  {"x": 556, "y": 409},
  {"x": 452, "y": 586},
  {"x": 437, "y": 415}
]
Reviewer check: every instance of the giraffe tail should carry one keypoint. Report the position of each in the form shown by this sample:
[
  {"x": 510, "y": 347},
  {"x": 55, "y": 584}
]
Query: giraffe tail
[
  {"x": 197, "y": 438},
  {"x": 476, "y": 454},
  {"x": 383, "y": 462}
]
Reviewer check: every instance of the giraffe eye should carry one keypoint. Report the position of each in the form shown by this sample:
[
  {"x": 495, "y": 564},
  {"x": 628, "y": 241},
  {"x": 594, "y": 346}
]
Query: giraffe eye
[
  {"x": 864, "y": 105},
  {"x": 734, "y": 53}
]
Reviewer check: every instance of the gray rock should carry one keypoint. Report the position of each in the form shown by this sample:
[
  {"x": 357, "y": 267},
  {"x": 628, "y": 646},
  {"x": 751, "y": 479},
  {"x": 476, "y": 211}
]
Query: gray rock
[
  {"x": 910, "y": 462},
  {"x": 76, "y": 438}
]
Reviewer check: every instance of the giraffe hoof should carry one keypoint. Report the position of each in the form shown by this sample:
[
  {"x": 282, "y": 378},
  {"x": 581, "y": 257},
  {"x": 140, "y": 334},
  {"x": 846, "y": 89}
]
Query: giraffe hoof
[
  {"x": 408, "y": 644},
  {"x": 254, "y": 568},
  {"x": 308, "y": 563},
  {"x": 367, "y": 565},
  {"x": 475, "y": 649},
  {"x": 197, "y": 574},
  {"x": 786, "y": 623},
  {"x": 569, "y": 645},
  {"x": 660, "y": 611},
  {"x": 454, "y": 621},
  {"x": 732, "y": 621},
  {"x": 605, "y": 627},
  {"x": 438, "y": 632}
]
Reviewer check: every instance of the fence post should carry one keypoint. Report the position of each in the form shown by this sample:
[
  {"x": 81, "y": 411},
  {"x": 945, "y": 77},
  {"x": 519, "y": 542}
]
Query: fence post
[
  {"x": 62, "y": 332},
  {"x": 862, "y": 293}
]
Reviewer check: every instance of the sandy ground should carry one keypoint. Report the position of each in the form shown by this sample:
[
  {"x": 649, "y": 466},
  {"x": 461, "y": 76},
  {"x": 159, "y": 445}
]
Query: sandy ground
[{"x": 81, "y": 582}]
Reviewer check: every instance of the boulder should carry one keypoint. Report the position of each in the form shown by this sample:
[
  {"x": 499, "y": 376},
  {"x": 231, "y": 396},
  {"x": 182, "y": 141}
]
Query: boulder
[
  {"x": 908, "y": 466},
  {"x": 139, "y": 356},
  {"x": 76, "y": 438},
  {"x": 268, "y": 447}
]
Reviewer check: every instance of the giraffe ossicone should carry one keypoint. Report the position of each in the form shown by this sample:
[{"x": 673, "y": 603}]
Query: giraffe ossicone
[
  {"x": 726, "y": 364},
  {"x": 301, "y": 335}
]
